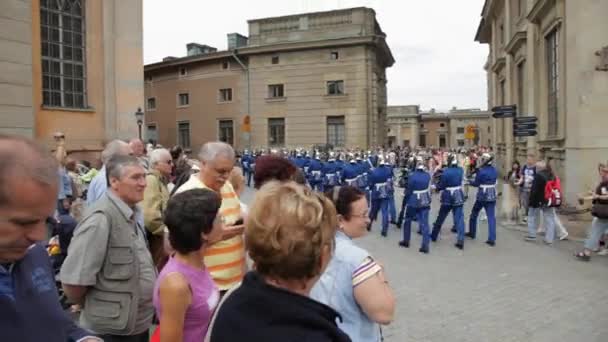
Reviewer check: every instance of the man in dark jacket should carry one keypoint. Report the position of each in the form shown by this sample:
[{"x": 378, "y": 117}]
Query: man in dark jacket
[
  {"x": 538, "y": 204},
  {"x": 29, "y": 304}
]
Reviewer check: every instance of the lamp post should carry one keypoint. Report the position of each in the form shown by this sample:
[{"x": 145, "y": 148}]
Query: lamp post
[{"x": 139, "y": 116}]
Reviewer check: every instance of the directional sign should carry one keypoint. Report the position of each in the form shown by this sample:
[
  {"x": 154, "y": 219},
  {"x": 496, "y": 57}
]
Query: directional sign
[
  {"x": 510, "y": 108},
  {"x": 523, "y": 119},
  {"x": 524, "y": 125},
  {"x": 525, "y": 133},
  {"x": 503, "y": 115}
]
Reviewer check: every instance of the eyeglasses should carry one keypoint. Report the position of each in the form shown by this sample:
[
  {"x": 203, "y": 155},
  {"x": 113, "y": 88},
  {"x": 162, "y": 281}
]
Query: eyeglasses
[{"x": 363, "y": 215}]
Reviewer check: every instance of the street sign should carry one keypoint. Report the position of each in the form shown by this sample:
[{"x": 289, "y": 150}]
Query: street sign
[
  {"x": 523, "y": 119},
  {"x": 501, "y": 112},
  {"x": 524, "y": 126},
  {"x": 525, "y": 133}
]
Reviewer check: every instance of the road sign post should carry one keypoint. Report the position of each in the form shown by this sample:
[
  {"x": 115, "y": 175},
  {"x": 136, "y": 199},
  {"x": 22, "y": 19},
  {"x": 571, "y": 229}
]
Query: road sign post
[
  {"x": 501, "y": 112},
  {"x": 525, "y": 126}
]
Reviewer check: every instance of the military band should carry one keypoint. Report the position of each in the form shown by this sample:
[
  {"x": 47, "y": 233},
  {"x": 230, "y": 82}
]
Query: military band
[{"x": 421, "y": 174}]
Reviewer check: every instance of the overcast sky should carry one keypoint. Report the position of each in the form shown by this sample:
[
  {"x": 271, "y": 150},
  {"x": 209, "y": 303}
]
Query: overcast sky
[{"x": 437, "y": 62}]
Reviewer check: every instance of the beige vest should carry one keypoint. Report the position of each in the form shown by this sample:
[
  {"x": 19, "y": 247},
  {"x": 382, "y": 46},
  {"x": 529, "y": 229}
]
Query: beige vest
[{"x": 111, "y": 304}]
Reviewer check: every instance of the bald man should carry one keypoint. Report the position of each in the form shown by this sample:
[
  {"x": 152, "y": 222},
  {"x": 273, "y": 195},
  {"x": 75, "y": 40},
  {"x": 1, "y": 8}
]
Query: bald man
[{"x": 29, "y": 304}]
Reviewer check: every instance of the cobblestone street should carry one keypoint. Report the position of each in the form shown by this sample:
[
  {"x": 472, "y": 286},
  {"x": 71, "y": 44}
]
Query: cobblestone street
[{"x": 516, "y": 291}]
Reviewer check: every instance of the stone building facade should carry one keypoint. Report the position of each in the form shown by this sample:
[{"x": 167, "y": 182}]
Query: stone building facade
[
  {"x": 73, "y": 66},
  {"x": 550, "y": 58},
  {"x": 408, "y": 126},
  {"x": 296, "y": 80}
]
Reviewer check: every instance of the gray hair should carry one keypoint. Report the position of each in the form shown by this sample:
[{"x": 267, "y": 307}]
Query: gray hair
[
  {"x": 115, "y": 167},
  {"x": 22, "y": 157},
  {"x": 113, "y": 148},
  {"x": 212, "y": 150},
  {"x": 157, "y": 155}
]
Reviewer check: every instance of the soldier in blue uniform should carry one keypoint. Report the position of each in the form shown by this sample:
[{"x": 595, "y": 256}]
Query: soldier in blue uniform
[
  {"x": 299, "y": 160},
  {"x": 392, "y": 210},
  {"x": 315, "y": 170},
  {"x": 452, "y": 199},
  {"x": 340, "y": 167},
  {"x": 418, "y": 197},
  {"x": 330, "y": 172},
  {"x": 350, "y": 173},
  {"x": 380, "y": 182},
  {"x": 246, "y": 165},
  {"x": 485, "y": 181}
]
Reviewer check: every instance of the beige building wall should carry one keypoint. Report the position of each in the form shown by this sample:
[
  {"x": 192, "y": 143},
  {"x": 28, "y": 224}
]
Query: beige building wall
[
  {"x": 573, "y": 136},
  {"x": 202, "y": 81},
  {"x": 16, "y": 107},
  {"x": 434, "y": 129},
  {"x": 301, "y": 52},
  {"x": 114, "y": 66}
]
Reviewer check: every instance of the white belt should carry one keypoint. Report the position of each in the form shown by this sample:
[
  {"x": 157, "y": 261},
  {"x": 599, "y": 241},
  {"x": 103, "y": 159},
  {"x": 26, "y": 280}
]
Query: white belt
[
  {"x": 454, "y": 188},
  {"x": 485, "y": 187},
  {"x": 316, "y": 172},
  {"x": 351, "y": 180},
  {"x": 380, "y": 184},
  {"x": 330, "y": 174},
  {"x": 420, "y": 192}
]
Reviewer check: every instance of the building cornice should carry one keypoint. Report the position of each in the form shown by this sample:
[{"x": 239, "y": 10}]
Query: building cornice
[
  {"x": 499, "y": 64},
  {"x": 539, "y": 9},
  {"x": 283, "y": 47},
  {"x": 516, "y": 41}
]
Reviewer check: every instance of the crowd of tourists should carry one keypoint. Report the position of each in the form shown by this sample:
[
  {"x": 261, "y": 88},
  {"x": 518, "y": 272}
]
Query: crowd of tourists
[{"x": 154, "y": 241}]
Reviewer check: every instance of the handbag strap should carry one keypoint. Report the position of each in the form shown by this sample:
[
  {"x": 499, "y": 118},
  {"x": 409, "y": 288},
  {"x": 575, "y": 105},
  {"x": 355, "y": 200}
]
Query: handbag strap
[{"x": 217, "y": 309}]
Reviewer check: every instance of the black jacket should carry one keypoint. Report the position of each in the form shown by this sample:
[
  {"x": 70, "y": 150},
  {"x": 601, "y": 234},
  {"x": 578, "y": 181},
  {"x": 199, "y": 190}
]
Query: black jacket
[
  {"x": 260, "y": 312},
  {"x": 537, "y": 192}
]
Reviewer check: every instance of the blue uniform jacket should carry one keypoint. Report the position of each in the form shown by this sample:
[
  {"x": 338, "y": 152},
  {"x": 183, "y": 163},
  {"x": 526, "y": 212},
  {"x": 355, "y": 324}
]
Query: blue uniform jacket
[
  {"x": 451, "y": 178},
  {"x": 417, "y": 183},
  {"x": 315, "y": 169},
  {"x": 245, "y": 162},
  {"x": 486, "y": 181},
  {"x": 330, "y": 173},
  {"x": 380, "y": 181},
  {"x": 300, "y": 161},
  {"x": 350, "y": 174}
]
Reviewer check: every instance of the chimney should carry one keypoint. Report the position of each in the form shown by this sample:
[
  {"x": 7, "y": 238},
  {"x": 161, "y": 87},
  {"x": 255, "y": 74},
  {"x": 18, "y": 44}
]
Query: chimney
[
  {"x": 236, "y": 40},
  {"x": 199, "y": 49}
]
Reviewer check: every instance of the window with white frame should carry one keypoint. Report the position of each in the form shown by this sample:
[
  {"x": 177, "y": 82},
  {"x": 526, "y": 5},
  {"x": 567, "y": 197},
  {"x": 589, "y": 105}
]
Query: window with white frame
[
  {"x": 336, "y": 131},
  {"x": 276, "y": 91},
  {"x": 226, "y": 131},
  {"x": 276, "y": 132},
  {"x": 63, "y": 52},
  {"x": 183, "y": 99},
  {"x": 226, "y": 95},
  {"x": 151, "y": 103},
  {"x": 183, "y": 134},
  {"x": 335, "y": 87},
  {"x": 552, "y": 60}
]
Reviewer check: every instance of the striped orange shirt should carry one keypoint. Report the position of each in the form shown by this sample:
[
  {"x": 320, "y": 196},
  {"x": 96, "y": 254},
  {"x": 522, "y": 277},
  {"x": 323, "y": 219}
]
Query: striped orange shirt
[{"x": 225, "y": 260}]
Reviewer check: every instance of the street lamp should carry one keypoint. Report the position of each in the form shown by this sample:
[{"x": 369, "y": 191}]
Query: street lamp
[{"x": 139, "y": 115}]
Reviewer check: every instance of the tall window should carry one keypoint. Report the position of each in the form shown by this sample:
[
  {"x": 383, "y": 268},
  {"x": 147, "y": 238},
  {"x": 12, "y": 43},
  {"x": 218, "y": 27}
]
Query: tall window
[
  {"x": 552, "y": 52},
  {"x": 276, "y": 91},
  {"x": 62, "y": 35},
  {"x": 521, "y": 81},
  {"x": 226, "y": 95},
  {"x": 152, "y": 132},
  {"x": 335, "y": 87},
  {"x": 336, "y": 133},
  {"x": 226, "y": 131},
  {"x": 442, "y": 141},
  {"x": 151, "y": 103},
  {"x": 183, "y": 134},
  {"x": 422, "y": 140},
  {"x": 276, "y": 132},
  {"x": 501, "y": 98}
]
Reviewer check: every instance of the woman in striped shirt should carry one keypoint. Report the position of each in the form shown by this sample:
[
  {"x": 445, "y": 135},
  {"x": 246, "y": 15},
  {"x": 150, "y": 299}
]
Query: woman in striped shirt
[{"x": 354, "y": 284}]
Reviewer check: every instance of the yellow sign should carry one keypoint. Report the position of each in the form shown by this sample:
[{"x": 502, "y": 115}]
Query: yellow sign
[
  {"x": 246, "y": 127},
  {"x": 470, "y": 132}
]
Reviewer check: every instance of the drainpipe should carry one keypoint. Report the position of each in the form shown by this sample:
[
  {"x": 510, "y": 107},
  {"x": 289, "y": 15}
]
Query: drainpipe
[{"x": 238, "y": 60}]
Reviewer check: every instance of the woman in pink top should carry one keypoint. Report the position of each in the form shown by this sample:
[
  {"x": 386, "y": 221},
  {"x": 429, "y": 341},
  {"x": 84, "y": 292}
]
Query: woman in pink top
[{"x": 185, "y": 295}]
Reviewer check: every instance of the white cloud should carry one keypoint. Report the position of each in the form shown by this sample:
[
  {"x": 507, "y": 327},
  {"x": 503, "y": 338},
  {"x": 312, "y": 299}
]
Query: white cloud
[{"x": 437, "y": 62}]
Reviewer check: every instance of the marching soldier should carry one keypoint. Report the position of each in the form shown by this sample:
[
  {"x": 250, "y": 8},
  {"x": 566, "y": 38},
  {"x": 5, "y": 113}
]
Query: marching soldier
[
  {"x": 418, "y": 197},
  {"x": 380, "y": 183},
  {"x": 452, "y": 199},
  {"x": 485, "y": 181}
]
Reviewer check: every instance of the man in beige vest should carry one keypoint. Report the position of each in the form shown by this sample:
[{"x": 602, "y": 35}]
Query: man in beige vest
[{"x": 109, "y": 268}]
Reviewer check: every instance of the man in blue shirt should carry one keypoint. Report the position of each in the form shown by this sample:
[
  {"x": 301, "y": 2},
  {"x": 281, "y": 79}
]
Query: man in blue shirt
[
  {"x": 418, "y": 199},
  {"x": 381, "y": 185},
  {"x": 99, "y": 184},
  {"x": 29, "y": 304},
  {"x": 485, "y": 180}
]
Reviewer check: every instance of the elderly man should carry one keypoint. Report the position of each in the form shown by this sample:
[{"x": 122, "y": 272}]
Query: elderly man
[
  {"x": 109, "y": 267},
  {"x": 139, "y": 151},
  {"x": 29, "y": 305},
  {"x": 99, "y": 185},
  {"x": 156, "y": 196},
  {"x": 225, "y": 259}
]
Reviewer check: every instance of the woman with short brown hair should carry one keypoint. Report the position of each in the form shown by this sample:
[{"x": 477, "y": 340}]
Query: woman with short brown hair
[{"x": 290, "y": 238}]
